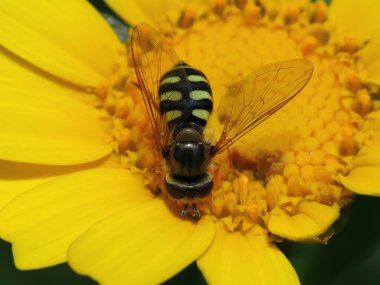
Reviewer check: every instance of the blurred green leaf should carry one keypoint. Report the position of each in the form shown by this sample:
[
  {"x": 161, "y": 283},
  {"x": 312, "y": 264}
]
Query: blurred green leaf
[
  {"x": 351, "y": 257},
  {"x": 57, "y": 275}
]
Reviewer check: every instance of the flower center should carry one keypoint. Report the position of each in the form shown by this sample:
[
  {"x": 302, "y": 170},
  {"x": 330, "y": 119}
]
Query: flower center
[{"x": 294, "y": 156}]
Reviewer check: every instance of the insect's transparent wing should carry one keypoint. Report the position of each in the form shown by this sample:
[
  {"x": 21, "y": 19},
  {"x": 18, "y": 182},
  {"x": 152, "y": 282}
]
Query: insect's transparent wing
[
  {"x": 152, "y": 57},
  {"x": 258, "y": 96}
]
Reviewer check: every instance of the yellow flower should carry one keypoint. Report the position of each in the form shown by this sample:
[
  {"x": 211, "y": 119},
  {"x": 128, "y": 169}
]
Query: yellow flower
[{"x": 76, "y": 147}]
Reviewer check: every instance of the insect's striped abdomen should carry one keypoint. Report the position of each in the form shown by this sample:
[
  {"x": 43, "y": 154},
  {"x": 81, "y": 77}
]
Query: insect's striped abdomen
[{"x": 185, "y": 96}]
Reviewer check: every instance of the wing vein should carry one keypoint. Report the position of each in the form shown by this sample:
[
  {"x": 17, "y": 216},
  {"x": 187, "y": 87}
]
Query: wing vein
[{"x": 260, "y": 95}]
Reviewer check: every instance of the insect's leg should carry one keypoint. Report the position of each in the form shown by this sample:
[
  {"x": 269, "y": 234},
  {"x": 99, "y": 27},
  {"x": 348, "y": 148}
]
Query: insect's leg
[
  {"x": 196, "y": 212},
  {"x": 184, "y": 210}
]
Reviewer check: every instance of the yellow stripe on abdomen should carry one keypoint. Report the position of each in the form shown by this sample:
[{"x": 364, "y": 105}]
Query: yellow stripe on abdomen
[
  {"x": 200, "y": 95},
  {"x": 201, "y": 114},
  {"x": 172, "y": 115},
  {"x": 196, "y": 78},
  {"x": 172, "y": 79},
  {"x": 171, "y": 96}
]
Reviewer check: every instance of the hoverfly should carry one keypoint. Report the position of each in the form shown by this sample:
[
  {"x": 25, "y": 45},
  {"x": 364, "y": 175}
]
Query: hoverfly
[{"x": 178, "y": 100}]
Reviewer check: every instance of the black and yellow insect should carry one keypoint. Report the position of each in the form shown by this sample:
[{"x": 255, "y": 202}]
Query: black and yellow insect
[{"x": 178, "y": 100}]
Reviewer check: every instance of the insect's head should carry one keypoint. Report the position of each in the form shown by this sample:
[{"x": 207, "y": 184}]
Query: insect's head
[
  {"x": 188, "y": 153},
  {"x": 189, "y": 146}
]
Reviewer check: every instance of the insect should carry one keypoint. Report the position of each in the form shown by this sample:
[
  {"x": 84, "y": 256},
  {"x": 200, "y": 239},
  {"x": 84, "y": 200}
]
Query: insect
[{"x": 178, "y": 100}]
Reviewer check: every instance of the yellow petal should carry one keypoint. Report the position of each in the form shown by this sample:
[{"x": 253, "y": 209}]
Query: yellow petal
[
  {"x": 131, "y": 11},
  {"x": 43, "y": 222},
  {"x": 368, "y": 156},
  {"x": 11, "y": 188},
  {"x": 357, "y": 18},
  {"x": 17, "y": 178},
  {"x": 15, "y": 69},
  {"x": 38, "y": 126},
  {"x": 144, "y": 245},
  {"x": 21, "y": 78},
  {"x": 364, "y": 177},
  {"x": 68, "y": 39},
  {"x": 363, "y": 180},
  {"x": 154, "y": 12},
  {"x": 369, "y": 63},
  {"x": 311, "y": 220},
  {"x": 234, "y": 258}
]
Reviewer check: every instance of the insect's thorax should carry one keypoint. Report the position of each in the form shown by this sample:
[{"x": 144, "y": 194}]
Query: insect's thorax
[
  {"x": 185, "y": 98},
  {"x": 188, "y": 154}
]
